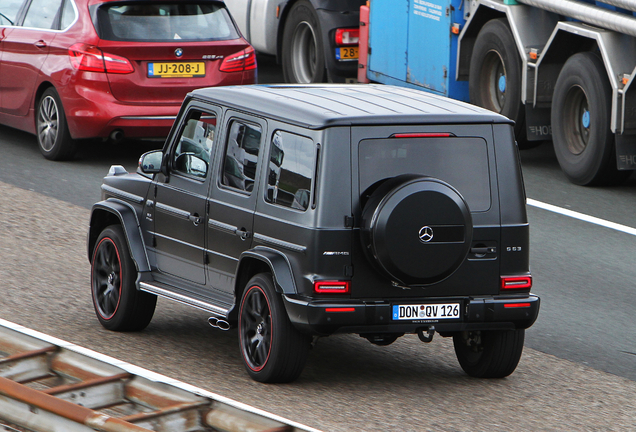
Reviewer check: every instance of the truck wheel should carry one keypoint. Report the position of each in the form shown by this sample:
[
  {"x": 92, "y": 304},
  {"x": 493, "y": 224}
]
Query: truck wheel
[
  {"x": 303, "y": 53},
  {"x": 119, "y": 305},
  {"x": 489, "y": 354},
  {"x": 54, "y": 138},
  {"x": 495, "y": 76},
  {"x": 581, "y": 112},
  {"x": 273, "y": 350}
]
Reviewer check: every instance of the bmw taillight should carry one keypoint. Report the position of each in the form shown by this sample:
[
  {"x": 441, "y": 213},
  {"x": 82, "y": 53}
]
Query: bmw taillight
[
  {"x": 91, "y": 59},
  {"x": 347, "y": 36},
  {"x": 516, "y": 283},
  {"x": 242, "y": 61},
  {"x": 332, "y": 287}
]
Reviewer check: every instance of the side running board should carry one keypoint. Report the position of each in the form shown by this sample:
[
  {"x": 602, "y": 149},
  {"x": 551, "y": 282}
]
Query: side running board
[
  {"x": 182, "y": 298},
  {"x": 49, "y": 385}
]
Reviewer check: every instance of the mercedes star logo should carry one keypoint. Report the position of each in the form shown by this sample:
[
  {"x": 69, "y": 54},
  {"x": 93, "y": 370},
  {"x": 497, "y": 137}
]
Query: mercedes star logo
[
  {"x": 178, "y": 52},
  {"x": 426, "y": 234}
]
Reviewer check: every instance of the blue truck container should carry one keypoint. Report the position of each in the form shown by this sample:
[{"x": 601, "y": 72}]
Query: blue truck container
[{"x": 413, "y": 44}]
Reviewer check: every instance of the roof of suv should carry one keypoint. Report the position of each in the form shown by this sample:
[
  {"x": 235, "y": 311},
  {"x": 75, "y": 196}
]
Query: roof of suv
[{"x": 321, "y": 105}]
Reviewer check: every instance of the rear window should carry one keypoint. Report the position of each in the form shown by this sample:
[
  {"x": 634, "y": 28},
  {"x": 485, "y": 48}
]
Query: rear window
[
  {"x": 157, "y": 22},
  {"x": 461, "y": 162}
]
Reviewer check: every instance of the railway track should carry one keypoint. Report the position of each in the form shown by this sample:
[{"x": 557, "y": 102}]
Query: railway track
[{"x": 48, "y": 385}]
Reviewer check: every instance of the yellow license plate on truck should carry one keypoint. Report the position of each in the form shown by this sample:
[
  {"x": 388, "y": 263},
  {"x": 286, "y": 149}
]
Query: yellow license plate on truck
[
  {"x": 176, "y": 70},
  {"x": 348, "y": 53}
]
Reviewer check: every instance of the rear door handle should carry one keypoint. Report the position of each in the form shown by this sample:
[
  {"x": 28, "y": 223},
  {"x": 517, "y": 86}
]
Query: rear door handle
[
  {"x": 40, "y": 44},
  {"x": 243, "y": 233},
  {"x": 195, "y": 219}
]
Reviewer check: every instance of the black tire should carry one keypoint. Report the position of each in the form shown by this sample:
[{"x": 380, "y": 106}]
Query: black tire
[
  {"x": 412, "y": 221},
  {"x": 118, "y": 304},
  {"x": 303, "y": 52},
  {"x": 54, "y": 139},
  {"x": 273, "y": 350},
  {"x": 581, "y": 115},
  {"x": 489, "y": 354},
  {"x": 495, "y": 77}
]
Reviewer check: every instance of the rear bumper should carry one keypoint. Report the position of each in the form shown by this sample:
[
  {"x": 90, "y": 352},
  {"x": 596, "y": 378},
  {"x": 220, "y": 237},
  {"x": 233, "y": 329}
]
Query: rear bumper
[
  {"x": 324, "y": 317},
  {"x": 92, "y": 111},
  {"x": 100, "y": 119}
]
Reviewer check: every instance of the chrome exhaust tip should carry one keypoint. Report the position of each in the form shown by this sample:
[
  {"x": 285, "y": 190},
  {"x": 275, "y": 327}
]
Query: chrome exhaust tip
[
  {"x": 219, "y": 323},
  {"x": 116, "y": 136}
]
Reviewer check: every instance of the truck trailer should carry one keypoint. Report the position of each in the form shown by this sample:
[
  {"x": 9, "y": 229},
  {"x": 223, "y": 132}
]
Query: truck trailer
[{"x": 561, "y": 69}]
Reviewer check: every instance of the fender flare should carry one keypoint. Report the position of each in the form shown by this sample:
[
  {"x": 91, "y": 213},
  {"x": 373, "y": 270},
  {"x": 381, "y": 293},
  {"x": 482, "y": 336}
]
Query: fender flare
[
  {"x": 112, "y": 211},
  {"x": 277, "y": 262}
]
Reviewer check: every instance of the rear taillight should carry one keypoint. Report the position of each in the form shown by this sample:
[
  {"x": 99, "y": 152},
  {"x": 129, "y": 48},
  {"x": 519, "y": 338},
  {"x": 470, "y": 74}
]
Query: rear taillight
[
  {"x": 332, "y": 287},
  {"x": 241, "y": 61},
  {"x": 516, "y": 282},
  {"x": 349, "y": 36},
  {"x": 91, "y": 59}
]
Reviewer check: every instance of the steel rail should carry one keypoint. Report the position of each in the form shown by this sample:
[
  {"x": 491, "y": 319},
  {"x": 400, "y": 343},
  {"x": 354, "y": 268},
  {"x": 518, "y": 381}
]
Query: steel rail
[
  {"x": 50, "y": 385},
  {"x": 65, "y": 409}
]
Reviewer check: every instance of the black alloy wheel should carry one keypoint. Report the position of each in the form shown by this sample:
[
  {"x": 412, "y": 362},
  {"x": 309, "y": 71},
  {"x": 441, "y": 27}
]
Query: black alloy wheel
[
  {"x": 256, "y": 329},
  {"x": 118, "y": 304},
  {"x": 106, "y": 278},
  {"x": 273, "y": 350}
]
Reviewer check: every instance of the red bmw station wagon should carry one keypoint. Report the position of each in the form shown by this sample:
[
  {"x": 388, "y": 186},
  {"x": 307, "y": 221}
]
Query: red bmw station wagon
[{"x": 75, "y": 69}]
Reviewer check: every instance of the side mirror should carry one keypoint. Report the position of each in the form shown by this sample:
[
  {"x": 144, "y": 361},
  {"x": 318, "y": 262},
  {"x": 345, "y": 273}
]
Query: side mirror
[{"x": 150, "y": 163}]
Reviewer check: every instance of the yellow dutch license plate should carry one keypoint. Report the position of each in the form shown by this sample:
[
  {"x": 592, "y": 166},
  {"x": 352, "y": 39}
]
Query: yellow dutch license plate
[
  {"x": 347, "y": 53},
  {"x": 176, "y": 70}
]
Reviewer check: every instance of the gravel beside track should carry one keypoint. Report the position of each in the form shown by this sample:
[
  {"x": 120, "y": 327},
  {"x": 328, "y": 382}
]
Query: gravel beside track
[{"x": 348, "y": 384}]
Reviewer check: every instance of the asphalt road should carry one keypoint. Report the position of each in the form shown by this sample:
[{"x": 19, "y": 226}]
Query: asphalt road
[
  {"x": 348, "y": 384},
  {"x": 578, "y": 370}
]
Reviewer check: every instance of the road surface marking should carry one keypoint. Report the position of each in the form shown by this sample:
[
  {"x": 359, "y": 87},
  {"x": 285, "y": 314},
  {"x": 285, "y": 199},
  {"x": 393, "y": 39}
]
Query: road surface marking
[{"x": 582, "y": 216}]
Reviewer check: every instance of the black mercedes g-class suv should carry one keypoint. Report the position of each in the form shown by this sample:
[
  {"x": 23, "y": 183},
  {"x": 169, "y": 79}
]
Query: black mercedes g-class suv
[{"x": 300, "y": 211}]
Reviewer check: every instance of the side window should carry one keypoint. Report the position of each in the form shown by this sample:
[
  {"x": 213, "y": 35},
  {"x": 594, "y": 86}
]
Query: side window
[
  {"x": 192, "y": 154},
  {"x": 291, "y": 170},
  {"x": 42, "y": 14},
  {"x": 9, "y": 11},
  {"x": 241, "y": 155},
  {"x": 68, "y": 14}
]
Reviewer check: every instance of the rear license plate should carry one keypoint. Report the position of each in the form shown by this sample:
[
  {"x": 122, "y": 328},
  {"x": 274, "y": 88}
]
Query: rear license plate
[
  {"x": 178, "y": 70},
  {"x": 426, "y": 311},
  {"x": 348, "y": 53}
]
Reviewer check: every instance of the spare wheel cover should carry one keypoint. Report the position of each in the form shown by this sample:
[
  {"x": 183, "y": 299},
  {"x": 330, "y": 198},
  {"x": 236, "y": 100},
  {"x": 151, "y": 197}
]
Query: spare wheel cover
[{"x": 420, "y": 231}]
